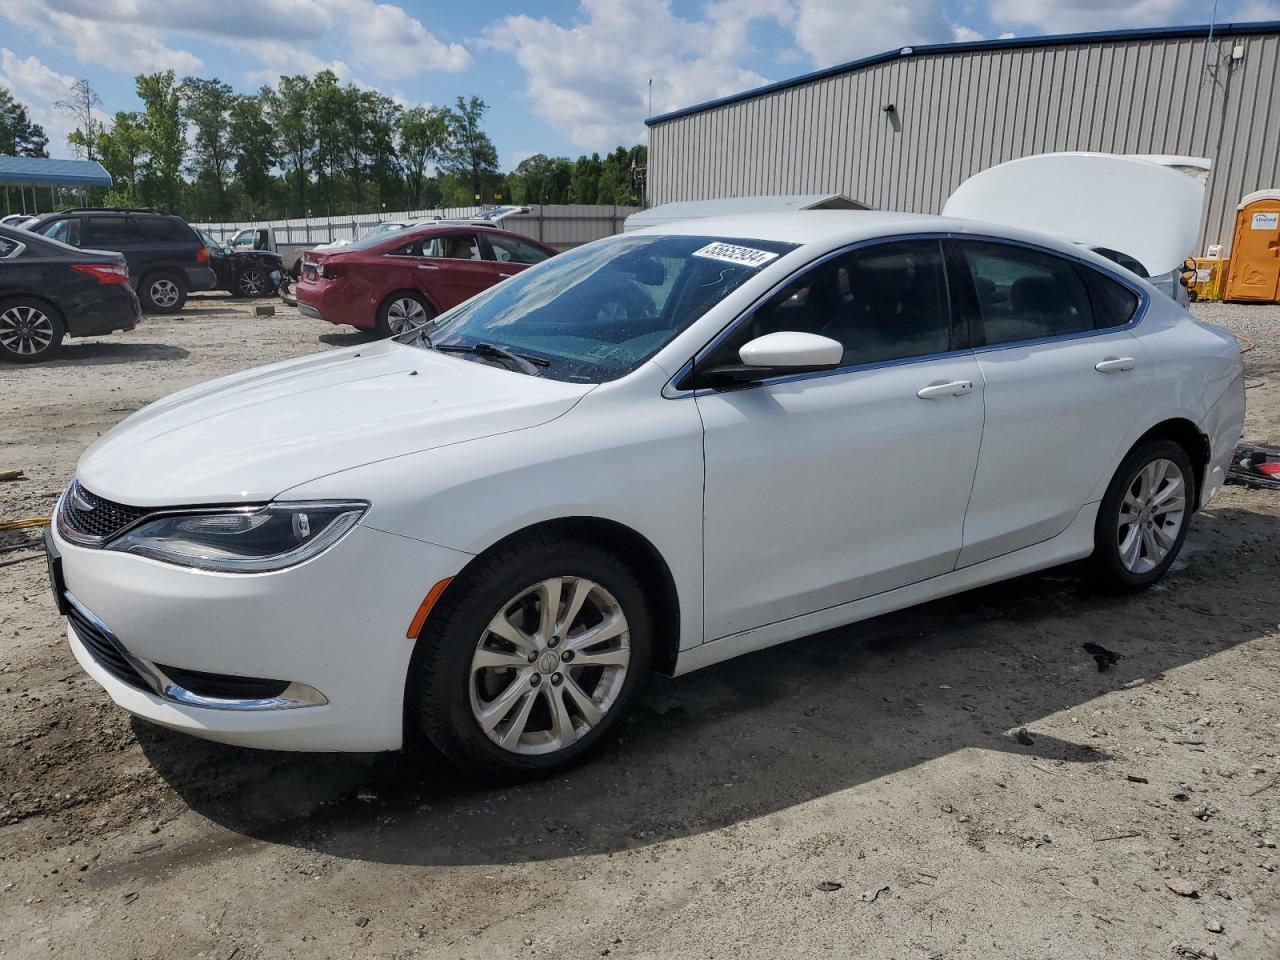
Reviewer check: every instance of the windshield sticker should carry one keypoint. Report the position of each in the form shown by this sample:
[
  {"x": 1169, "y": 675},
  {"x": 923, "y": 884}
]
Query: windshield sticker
[{"x": 732, "y": 253}]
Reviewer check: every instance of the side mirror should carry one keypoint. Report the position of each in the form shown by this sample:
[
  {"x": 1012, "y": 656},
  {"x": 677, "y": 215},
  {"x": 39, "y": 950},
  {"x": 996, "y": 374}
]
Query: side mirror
[{"x": 776, "y": 355}]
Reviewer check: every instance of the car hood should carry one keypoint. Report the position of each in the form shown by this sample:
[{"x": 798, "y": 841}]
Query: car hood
[{"x": 248, "y": 437}]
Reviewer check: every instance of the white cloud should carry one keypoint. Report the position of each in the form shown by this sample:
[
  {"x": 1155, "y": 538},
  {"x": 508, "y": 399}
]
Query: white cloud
[
  {"x": 94, "y": 37},
  {"x": 1077, "y": 16},
  {"x": 400, "y": 45},
  {"x": 1257, "y": 10},
  {"x": 963, "y": 34},
  {"x": 39, "y": 88},
  {"x": 835, "y": 31},
  {"x": 590, "y": 81}
]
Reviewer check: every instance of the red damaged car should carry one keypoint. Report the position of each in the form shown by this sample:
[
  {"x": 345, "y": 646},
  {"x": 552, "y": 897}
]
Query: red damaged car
[{"x": 391, "y": 282}]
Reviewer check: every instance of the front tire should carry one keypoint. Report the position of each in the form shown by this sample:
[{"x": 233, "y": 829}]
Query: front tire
[
  {"x": 1143, "y": 518},
  {"x": 30, "y": 331},
  {"x": 163, "y": 293},
  {"x": 531, "y": 660}
]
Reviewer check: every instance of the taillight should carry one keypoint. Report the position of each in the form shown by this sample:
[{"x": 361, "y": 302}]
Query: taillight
[
  {"x": 103, "y": 272},
  {"x": 202, "y": 255}
]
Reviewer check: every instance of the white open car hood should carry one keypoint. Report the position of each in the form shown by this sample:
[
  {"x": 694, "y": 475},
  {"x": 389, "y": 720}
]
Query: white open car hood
[
  {"x": 250, "y": 436},
  {"x": 1146, "y": 206}
]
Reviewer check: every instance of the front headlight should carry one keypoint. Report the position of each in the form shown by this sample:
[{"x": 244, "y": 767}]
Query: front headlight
[{"x": 243, "y": 540}]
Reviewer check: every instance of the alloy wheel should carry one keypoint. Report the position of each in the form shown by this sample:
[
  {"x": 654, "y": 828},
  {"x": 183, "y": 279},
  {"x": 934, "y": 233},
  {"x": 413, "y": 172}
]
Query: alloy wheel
[
  {"x": 1151, "y": 516},
  {"x": 550, "y": 665},
  {"x": 404, "y": 314},
  {"x": 164, "y": 292},
  {"x": 253, "y": 283},
  {"x": 25, "y": 330}
]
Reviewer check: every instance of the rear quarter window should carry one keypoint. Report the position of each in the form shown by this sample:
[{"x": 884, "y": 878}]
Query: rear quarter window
[
  {"x": 1114, "y": 304},
  {"x": 106, "y": 232},
  {"x": 162, "y": 230}
]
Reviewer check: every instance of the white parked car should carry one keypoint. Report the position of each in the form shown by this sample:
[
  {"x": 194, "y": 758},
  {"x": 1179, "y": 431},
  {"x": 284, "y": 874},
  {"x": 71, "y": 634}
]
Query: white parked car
[{"x": 495, "y": 528}]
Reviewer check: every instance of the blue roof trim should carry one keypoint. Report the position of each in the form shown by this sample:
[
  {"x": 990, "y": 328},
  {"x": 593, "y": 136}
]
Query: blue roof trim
[
  {"x": 41, "y": 172},
  {"x": 933, "y": 49}
]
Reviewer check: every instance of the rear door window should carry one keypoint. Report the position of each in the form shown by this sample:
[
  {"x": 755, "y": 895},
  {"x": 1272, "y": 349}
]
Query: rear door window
[
  {"x": 453, "y": 246},
  {"x": 106, "y": 233},
  {"x": 1026, "y": 294}
]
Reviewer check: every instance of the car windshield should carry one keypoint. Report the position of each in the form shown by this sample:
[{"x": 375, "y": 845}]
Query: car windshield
[{"x": 599, "y": 311}]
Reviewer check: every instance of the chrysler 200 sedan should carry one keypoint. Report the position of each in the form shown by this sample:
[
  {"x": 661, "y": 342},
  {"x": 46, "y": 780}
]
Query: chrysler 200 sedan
[{"x": 491, "y": 528}]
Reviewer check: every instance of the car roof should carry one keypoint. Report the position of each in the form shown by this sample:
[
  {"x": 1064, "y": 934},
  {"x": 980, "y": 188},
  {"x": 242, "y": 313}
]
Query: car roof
[{"x": 837, "y": 228}]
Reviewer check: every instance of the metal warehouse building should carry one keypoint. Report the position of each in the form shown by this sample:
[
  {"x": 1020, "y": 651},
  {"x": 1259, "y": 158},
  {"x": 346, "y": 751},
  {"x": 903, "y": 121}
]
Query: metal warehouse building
[{"x": 901, "y": 130}]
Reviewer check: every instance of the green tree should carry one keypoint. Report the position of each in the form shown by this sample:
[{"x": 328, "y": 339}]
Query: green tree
[
  {"x": 120, "y": 149},
  {"x": 421, "y": 133},
  {"x": 206, "y": 106},
  {"x": 19, "y": 137},
  {"x": 251, "y": 141},
  {"x": 540, "y": 179},
  {"x": 584, "y": 186},
  {"x": 469, "y": 155},
  {"x": 327, "y": 108},
  {"x": 164, "y": 133},
  {"x": 289, "y": 113}
]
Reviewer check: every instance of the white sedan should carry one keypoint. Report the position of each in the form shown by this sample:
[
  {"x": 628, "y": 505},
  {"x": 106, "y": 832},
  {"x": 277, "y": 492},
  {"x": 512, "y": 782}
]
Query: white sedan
[{"x": 493, "y": 528}]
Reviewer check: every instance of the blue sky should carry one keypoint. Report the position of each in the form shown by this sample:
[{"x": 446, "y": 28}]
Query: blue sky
[{"x": 561, "y": 76}]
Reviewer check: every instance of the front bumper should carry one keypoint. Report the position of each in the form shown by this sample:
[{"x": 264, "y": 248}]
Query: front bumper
[{"x": 333, "y": 628}]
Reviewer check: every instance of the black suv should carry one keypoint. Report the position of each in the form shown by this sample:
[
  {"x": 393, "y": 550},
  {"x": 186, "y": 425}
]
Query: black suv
[{"x": 166, "y": 258}]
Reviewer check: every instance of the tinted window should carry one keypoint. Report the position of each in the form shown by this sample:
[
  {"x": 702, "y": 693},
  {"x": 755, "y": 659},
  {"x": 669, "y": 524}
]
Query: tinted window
[
  {"x": 8, "y": 247},
  {"x": 161, "y": 230},
  {"x": 513, "y": 250},
  {"x": 1114, "y": 304},
  {"x": 883, "y": 302},
  {"x": 106, "y": 233},
  {"x": 1025, "y": 294},
  {"x": 66, "y": 230}
]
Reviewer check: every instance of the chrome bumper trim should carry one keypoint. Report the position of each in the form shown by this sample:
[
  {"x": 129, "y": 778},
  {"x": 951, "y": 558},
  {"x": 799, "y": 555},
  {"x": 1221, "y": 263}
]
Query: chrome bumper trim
[{"x": 294, "y": 696}]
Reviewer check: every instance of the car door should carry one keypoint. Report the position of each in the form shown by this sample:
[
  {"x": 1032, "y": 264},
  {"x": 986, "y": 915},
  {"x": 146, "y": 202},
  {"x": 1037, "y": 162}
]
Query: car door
[
  {"x": 452, "y": 268},
  {"x": 825, "y": 488},
  {"x": 1065, "y": 379},
  {"x": 113, "y": 232}
]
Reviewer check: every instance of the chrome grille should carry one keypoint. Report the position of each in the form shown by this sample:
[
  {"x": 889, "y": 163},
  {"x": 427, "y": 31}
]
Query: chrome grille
[{"x": 95, "y": 517}]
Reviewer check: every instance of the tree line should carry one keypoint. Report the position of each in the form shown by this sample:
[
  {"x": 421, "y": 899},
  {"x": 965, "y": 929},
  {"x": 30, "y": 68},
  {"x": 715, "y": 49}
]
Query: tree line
[{"x": 307, "y": 146}]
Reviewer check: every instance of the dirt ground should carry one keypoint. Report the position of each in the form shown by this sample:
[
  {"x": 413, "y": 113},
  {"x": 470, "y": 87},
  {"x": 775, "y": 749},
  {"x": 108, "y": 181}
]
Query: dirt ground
[{"x": 1141, "y": 821}]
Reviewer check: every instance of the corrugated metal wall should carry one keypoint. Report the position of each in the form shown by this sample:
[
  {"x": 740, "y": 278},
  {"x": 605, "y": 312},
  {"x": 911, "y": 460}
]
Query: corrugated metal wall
[
  {"x": 559, "y": 225},
  {"x": 958, "y": 113}
]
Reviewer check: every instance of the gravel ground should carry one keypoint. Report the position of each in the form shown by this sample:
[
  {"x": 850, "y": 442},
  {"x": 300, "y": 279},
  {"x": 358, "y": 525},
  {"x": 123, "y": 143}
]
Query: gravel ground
[{"x": 857, "y": 793}]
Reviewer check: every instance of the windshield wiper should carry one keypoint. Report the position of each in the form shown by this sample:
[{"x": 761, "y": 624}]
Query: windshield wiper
[{"x": 521, "y": 362}]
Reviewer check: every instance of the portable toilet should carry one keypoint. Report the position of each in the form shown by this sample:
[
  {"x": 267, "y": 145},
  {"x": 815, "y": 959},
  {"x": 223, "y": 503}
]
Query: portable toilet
[{"x": 1255, "y": 251}]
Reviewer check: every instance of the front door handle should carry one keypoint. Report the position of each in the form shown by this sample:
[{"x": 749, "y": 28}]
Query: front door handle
[
  {"x": 505, "y": 275},
  {"x": 427, "y": 266},
  {"x": 956, "y": 388},
  {"x": 1115, "y": 365}
]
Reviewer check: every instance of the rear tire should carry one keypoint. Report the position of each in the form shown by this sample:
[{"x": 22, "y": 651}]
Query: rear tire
[
  {"x": 1143, "y": 518},
  {"x": 162, "y": 292},
  {"x": 496, "y": 713},
  {"x": 400, "y": 312},
  {"x": 30, "y": 330}
]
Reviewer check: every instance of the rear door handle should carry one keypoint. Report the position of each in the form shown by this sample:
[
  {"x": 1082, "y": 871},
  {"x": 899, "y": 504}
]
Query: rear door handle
[
  {"x": 427, "y": 266},
  {"x": 956, "y": 388},
  {"x": 505, "y": 275},
  {"x": 1115, "y": 365}
]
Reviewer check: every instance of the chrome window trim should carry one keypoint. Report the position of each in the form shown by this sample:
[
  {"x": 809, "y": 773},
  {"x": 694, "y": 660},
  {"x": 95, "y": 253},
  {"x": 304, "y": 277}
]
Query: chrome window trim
[{"x": 671, "y": 392}]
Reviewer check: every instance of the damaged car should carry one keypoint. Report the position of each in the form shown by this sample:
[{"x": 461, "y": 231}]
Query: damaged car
[{"x": 490, "y": 529}]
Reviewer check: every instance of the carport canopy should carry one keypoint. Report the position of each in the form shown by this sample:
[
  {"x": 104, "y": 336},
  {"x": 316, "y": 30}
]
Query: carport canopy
[{"x": 42, "y": 172}]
